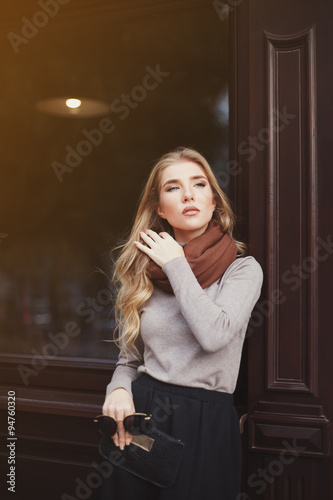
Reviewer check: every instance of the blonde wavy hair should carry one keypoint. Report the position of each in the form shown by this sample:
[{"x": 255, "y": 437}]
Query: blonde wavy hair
[{"x": 130, "y": 270}]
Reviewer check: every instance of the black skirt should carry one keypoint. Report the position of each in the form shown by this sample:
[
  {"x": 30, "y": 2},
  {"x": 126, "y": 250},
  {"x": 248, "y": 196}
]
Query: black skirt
[{"x": 207, "y": 422}]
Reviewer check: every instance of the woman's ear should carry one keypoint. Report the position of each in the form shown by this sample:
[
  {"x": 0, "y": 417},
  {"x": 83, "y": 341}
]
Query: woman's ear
[{"x": 160, "y": 212}]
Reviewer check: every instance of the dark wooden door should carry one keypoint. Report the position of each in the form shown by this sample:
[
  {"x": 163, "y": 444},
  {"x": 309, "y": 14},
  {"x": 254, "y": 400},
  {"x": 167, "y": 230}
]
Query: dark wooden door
[{"x": 287, "y": 160}]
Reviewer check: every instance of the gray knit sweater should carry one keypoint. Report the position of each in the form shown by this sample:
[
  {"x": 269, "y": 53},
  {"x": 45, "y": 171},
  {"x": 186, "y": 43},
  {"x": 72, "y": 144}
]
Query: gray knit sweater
[{"x": 194, "y": 337}]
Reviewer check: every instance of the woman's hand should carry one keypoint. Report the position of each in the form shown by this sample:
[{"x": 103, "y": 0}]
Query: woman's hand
[
  {"x": 118, "y": 404},
  {"x": 161, "y": 247}
]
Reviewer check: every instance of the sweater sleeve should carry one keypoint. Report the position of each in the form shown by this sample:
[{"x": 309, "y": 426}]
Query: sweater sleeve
[
  {"x": 215, "y": 321},
  {"x": 126, "y": 369}
]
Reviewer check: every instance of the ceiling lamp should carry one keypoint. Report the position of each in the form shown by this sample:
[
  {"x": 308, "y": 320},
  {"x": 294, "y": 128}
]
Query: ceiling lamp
[
  {"x": 73, "y": 103},
  {"x": 73, "y": 107}
]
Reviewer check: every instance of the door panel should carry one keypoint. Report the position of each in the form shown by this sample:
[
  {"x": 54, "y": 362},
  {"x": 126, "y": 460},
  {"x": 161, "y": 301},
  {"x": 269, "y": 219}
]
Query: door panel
[{"x": 290, "y": 228}]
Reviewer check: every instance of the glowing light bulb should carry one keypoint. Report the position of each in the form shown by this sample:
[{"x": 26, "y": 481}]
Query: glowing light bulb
[{"x": 73, "y": 103}]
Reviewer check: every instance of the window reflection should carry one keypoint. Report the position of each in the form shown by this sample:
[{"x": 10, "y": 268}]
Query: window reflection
[{"x": 60, "y": 228}]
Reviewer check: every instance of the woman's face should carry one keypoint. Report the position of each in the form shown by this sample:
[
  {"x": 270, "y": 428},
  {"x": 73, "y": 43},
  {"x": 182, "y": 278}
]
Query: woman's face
[{"x": 186, "y": 200}]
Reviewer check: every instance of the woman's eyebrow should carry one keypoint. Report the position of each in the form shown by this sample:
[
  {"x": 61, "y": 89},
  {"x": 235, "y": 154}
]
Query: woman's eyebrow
[{"x": 175, "y": 181}]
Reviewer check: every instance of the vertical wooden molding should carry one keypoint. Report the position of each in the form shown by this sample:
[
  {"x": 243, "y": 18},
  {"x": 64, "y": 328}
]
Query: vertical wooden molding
[
  {"x": 291, "y": 190},
  {"x": 239, "y": 114}
]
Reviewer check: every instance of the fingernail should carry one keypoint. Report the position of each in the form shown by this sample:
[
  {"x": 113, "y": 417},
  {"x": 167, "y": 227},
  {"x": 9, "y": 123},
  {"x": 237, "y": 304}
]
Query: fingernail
[{"x": 128, "y": 441}]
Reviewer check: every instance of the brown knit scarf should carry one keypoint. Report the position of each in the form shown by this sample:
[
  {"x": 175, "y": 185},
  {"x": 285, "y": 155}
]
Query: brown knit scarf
[{"x": 209, "y": 255}]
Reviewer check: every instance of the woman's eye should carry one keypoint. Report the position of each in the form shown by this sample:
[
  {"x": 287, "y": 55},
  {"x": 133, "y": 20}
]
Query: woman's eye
[
  {"x": 172, "y": 188},
  {"x": 201, "y": 184}
]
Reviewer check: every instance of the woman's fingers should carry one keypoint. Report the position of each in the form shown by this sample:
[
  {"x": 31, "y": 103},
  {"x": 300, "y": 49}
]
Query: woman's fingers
[
  {"x": 128, "y": 438},
  {"x": 149, "y": 237},
  {"x": 121, "y": 434},
  {"x": 159, "y": 247},
  {"x": 115, "y": 439},
  {"x": 118, "y": 404},
  {"x": 122, "y": 437},
  {"x": 164, "y": 235},
  {"x": 151, "y": 234}
]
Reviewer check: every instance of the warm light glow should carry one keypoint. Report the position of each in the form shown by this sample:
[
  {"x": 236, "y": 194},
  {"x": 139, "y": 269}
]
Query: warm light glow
[
  {"x": 73, "y": 108},
  {"x": 73, "y": 103}
]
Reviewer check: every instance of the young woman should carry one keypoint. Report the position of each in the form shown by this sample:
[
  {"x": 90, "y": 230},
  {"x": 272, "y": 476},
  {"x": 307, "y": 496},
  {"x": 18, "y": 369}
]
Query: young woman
[{"x": 186, "y": 296}]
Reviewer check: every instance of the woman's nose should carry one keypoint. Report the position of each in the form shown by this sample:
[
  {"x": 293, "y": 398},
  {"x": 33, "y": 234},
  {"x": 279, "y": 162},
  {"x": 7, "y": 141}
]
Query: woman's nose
[{"x": 188, "y": 195}]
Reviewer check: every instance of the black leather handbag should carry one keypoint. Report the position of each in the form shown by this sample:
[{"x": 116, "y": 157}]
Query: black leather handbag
[{"x": 154, "y": 456}]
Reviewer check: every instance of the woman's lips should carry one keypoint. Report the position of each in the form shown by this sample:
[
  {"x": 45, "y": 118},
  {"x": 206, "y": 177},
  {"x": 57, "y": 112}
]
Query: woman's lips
[{"x": 191, "y": 211}]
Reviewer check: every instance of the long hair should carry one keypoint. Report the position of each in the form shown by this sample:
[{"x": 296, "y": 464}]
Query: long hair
[{"x": 131, "y": 266}]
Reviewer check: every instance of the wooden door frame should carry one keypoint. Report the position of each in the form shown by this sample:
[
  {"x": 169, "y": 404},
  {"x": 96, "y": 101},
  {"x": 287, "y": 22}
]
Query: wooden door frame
[{"x": 287, "y": 402}]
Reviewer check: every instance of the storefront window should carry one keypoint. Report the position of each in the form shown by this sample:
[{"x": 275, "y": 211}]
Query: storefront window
[{"x": 70, "y": 184}]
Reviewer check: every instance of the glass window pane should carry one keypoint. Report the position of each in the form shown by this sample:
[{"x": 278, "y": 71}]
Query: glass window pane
[{"x": 70, "y": 184}]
